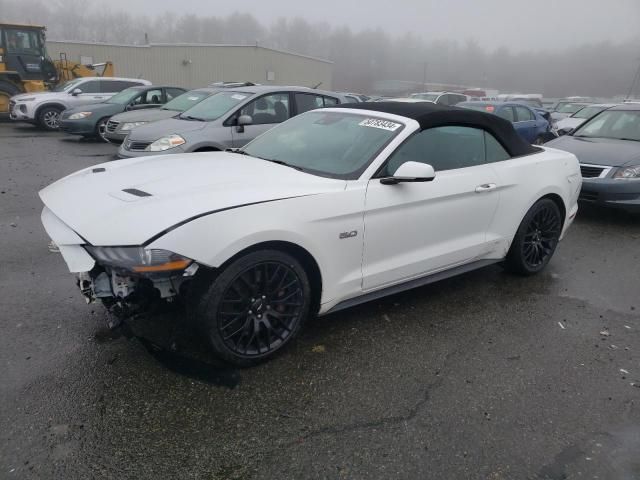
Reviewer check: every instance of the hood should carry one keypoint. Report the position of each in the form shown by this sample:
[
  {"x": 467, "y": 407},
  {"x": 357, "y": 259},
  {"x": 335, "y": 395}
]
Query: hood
[
  {"x": 145, "y": 115},
  {"x": 599, "y": 151},
  {"x": 130, "y": 201},
  {"x": 39, "y": 96},
  {"x": 156, "y": 130},
  {"x": 99, "y": 109}
]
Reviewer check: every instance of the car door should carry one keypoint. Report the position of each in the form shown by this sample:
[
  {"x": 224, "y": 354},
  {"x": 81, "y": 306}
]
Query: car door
[
  {"x": 413, "y": 229},
  {"x": 525, "y": 123},
  {"x": 266, "y": 112},
  {"x": 91, "y": 93}
]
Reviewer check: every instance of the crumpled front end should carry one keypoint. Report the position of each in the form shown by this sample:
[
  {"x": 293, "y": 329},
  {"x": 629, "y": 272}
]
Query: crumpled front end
[{"x": 128, "y": 280}]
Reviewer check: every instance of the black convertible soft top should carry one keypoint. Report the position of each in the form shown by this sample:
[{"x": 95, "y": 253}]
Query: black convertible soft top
[{"x": 430, "y": 115}]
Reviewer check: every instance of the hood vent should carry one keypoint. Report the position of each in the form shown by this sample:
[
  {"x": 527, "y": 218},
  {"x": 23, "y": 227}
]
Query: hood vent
[{"x": 136, "y": 192}]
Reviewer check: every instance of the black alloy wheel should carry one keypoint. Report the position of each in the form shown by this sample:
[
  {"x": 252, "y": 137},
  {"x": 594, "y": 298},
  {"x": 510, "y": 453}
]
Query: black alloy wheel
[
  {"x": 536, "y": 239},
  {"x": 256, "y": 306}
]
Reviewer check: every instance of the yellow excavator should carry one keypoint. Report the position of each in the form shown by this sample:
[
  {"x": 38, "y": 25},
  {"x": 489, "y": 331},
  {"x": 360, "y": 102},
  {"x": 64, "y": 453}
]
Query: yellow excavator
[{"x": 26, "y": 67}]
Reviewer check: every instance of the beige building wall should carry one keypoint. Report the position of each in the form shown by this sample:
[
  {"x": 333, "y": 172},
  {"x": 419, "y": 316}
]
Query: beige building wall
[{"x": 193, "y": 66}]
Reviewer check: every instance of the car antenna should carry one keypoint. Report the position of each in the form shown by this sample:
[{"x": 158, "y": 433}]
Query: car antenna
[{"x": 317, "y": 85}]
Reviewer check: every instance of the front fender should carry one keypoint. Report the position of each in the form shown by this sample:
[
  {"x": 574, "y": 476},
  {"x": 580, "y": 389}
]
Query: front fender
[{"x": 312, "y": 222}]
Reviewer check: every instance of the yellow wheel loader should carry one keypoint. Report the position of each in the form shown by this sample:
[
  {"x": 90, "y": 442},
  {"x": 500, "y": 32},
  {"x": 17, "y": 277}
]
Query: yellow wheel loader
[{"x": 26, "y": 67}]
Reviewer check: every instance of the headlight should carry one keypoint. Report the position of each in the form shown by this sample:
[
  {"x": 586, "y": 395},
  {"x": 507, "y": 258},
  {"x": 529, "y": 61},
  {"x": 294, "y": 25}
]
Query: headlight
[
  {"x": 79, "y": 115},
  {"x": 165, "y": 143},
  {"x": 139, "y": 259},
  {"x": 26, "y": 99},
  {"x": 128, "y": 126},
  {"x": 628, "y": 173}
]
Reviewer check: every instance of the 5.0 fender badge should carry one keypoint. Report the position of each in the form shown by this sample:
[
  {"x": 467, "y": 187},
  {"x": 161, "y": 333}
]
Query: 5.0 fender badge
[{"x": 350, "y": 234}]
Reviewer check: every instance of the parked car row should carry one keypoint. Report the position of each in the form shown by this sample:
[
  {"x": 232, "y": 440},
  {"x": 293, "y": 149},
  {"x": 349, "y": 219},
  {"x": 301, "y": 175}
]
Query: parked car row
[
  {"x": 151, "y": 120},
  {"x": 45, "y": 108}
]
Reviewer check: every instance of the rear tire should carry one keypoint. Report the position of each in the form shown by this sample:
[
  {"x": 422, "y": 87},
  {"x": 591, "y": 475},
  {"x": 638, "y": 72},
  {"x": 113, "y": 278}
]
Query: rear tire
[
  {"x": 49, "y": 118},
  {"x": 536, "y": 239},
  {"x": 255, "y": 307}
]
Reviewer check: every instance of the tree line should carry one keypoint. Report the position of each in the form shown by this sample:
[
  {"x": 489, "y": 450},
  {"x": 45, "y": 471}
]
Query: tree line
[{"x": 362, "y": 58}]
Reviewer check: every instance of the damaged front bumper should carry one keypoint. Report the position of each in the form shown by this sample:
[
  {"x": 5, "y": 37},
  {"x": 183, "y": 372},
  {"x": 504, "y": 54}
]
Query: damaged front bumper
[
  {"x": 101, "y": 283},
  {"x": 128, "y": 280}
]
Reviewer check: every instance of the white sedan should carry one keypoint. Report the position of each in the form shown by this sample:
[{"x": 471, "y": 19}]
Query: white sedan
[{"x": 332, "y": 208}]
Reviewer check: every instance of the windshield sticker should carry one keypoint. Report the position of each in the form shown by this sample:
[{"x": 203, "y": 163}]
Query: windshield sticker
[
  {"x": 237, "y": 96},
  {"x": 377, "y": 123}
]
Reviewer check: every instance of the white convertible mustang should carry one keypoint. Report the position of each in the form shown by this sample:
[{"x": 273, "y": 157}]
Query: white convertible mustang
[{"x": 330, "y": 209}]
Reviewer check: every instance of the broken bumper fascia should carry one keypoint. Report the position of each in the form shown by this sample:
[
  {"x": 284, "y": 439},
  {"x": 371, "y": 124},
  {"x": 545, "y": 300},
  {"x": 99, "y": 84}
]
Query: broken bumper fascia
[{"x": 110, "y": 285}]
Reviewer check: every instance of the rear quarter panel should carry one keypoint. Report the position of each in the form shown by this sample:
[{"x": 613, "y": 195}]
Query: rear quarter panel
[{"x": 524, "y": 181}]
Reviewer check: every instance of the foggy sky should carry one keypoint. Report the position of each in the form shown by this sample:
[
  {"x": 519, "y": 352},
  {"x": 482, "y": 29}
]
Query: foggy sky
[{"x": 517, "y": 24}]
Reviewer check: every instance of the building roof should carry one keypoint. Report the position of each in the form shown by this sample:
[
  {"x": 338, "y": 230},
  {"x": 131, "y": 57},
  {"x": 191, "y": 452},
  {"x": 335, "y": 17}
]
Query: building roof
[{"x": 430, "y": 115}]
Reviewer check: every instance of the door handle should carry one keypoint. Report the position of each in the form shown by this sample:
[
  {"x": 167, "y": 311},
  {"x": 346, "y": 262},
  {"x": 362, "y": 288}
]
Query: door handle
[{"x": 486, "y": 187}]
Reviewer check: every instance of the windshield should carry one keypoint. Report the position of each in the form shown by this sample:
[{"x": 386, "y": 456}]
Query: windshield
[
  {"x": 588, "y": 112},
  {"x": 125, "y": 96},
  {"x": 213, "y": 107},
  {"x": 25, "y": 42},
  {"x": 430, "y": 97},
  {"x": 569, "y": 107},
  {"x": 66, "y": 86},
  {"x": 328, "y": 144},
  {"x": 185, "y": 101},
  {"x": 618, "y": 124}
]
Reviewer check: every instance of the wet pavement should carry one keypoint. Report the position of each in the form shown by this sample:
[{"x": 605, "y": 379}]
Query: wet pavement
[{"x": 486, "y": 376}]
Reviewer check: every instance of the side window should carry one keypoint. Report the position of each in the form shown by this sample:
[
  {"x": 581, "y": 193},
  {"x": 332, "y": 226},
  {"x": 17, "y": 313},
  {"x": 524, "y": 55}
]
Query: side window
[
  {"x": 494, "y": 151},
  {"x": 173, "y": 93},
  {"x": 507, "y": 114},
  {"x": 330, "y": 101},
  {"x": 444, "y": 148},
  {"x": 443, "y": 100},
  {"x": 455, "y": 99},
  {"x": 307, "y": 101},
  {"x": 151, "y": 97},
  {"x": 115, "y": 86},
  {"x": 92, "y": 86},
  {"x": 523, "y": 113},
  {"x": 349, "y": 99},
  {"x": 268, "y": 109}
]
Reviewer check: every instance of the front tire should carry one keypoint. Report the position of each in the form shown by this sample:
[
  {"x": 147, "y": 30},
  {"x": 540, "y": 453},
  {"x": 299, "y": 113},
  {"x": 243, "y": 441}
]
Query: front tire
[
  {"x": 101, "y": 129},
  {"x": 255, "y": 307},
  {"x": 536, "y": 239},
  {"x": 49, "y": 118}
]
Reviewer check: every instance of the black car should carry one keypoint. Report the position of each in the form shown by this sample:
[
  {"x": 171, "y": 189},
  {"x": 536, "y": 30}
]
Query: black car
[
  {"x": 91, "y": 120},
  {"x": 608, "y": 149}
]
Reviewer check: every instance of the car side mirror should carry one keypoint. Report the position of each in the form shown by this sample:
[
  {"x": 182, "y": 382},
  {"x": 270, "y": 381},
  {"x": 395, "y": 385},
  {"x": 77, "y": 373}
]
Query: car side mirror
[
  {"x": 242, "y": 121},
  {"x": 411, "y": 172},
  {"x": 76, "y": 91}
]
